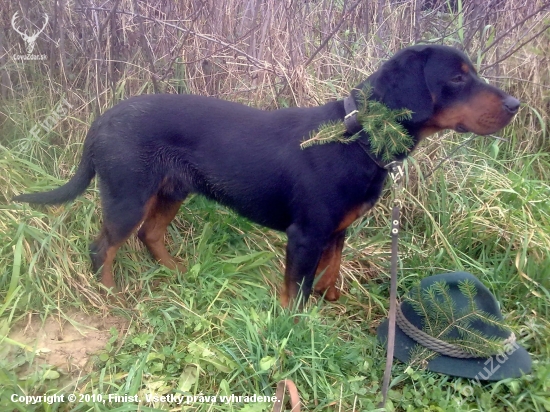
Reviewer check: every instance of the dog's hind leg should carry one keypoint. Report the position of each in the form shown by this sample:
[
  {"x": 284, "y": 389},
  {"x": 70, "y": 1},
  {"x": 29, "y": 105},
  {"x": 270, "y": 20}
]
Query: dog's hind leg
[
  {"x": 120, "y": 220},
  {"x": 152, "y": 232}
]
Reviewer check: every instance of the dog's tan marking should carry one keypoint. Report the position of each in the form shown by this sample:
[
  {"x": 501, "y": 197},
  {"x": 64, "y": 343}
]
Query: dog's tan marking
[
  {"x": 353, "y": 215},
  {"x": 153, "y": 229},
  {"x": 328, "y": 270}
]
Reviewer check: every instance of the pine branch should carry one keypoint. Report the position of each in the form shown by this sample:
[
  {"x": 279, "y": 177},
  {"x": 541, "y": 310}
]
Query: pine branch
[{"x": 387, "y": 137}]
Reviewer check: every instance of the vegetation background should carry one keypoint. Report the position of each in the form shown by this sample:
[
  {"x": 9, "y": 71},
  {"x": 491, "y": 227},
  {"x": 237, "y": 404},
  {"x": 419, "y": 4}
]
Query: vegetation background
[{"x": 218, "y": 330}]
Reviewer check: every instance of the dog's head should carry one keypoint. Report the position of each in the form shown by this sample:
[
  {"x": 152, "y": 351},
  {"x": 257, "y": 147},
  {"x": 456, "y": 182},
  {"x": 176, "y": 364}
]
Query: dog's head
[{"x": 441, "y": 87}]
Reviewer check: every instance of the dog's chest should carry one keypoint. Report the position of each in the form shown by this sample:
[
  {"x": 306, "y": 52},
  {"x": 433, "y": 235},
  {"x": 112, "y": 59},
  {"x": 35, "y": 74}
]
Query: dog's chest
[{"x": 353, "y": 214}]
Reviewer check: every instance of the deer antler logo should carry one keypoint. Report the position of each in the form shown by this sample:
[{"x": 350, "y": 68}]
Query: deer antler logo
[{"x": 30, "y": 41}]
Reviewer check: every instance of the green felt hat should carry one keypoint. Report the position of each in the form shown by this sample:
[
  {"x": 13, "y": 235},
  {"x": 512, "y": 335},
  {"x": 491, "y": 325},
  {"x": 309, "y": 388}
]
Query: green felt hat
[{"x": 451, "y": 324}]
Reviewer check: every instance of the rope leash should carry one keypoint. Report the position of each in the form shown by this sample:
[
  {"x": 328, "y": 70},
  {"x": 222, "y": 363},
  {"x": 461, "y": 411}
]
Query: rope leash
[{"x": 438, "y": 345}]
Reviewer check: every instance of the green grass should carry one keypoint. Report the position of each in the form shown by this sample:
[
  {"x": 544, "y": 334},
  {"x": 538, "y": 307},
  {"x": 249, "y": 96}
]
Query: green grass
[{"x": 219, "y": 329}]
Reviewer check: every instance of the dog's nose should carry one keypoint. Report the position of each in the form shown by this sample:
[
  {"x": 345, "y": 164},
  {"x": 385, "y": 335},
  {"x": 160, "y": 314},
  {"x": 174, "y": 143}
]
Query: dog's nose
[{"x": 511, "y": 104}]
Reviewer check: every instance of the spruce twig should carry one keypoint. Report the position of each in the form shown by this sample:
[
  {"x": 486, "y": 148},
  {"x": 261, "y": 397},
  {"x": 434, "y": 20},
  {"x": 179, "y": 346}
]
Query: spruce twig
[
  {"x": 441, "y": 317},
  {"x": 387, "y": 137},
  {"x": 328, "y": 133}
]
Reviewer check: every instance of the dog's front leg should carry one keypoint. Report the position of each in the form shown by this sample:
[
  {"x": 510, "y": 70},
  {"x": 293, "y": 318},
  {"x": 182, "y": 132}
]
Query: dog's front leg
[
  {"x": 303, "y": 252},
  {"x": 328, "y": 270}
]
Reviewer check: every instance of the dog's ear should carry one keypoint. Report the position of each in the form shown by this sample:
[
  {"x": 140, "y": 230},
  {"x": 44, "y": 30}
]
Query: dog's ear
[{"x": 401, "y": 83}]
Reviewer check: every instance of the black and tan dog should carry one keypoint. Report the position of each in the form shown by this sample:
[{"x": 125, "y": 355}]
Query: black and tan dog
[{"x": 150, "y": 152}]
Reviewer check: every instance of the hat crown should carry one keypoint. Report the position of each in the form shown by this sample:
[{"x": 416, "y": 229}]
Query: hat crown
[{"x": 457, "y": 308}]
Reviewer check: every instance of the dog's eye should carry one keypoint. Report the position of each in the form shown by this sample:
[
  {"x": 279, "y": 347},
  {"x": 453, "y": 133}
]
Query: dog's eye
[{"x": 458, "y": 79}]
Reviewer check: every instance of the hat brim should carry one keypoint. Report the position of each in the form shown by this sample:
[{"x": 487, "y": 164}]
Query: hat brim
[{"x": 512, "y": 363}]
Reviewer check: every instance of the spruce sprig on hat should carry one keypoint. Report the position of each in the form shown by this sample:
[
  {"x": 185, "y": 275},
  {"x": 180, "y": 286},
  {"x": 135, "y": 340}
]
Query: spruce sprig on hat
[{"x": 442, "y": 319}]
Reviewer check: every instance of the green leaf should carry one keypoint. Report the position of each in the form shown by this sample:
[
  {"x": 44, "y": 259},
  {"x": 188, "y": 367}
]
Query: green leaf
[
  {"x": 51, "y": 374},
  {"x": 267, "y": 362},
  {"x": 188, "y": 378}
]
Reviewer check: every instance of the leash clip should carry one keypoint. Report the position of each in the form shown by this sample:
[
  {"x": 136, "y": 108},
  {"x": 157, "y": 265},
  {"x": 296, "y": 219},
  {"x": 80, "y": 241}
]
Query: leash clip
[{"x": 396, "y": 171}]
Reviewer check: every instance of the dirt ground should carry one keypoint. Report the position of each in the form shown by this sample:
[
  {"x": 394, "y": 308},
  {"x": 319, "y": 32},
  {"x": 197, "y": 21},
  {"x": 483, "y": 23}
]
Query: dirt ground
[{"x": 65, "y": 346}]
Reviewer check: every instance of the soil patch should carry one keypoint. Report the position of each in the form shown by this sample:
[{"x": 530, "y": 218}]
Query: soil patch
[{"x": 61, "y": 344}]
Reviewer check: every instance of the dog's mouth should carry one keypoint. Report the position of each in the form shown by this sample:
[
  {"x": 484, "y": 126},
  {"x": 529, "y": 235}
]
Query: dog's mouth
[
  {"x": 460, "y": 128},
  {"x": 484, "y": 124}
]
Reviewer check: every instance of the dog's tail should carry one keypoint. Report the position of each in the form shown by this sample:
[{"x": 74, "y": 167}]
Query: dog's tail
[{"x": 78, "y": 183}]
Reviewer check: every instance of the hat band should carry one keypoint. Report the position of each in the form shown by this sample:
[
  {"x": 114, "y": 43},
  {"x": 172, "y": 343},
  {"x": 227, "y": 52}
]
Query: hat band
[{"x": 437, "y": 345}]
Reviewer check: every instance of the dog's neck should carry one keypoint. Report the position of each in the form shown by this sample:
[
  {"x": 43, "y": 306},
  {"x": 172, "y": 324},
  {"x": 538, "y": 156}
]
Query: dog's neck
[{"x": 353, "y": 126}]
